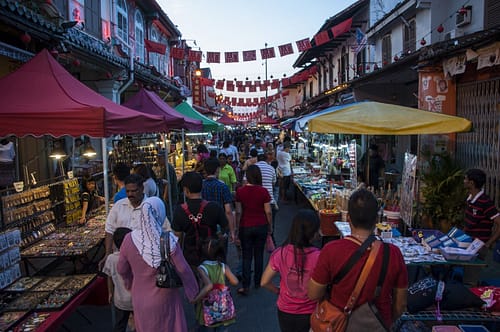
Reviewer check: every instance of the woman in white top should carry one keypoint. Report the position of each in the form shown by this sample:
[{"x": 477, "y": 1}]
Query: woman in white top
[{"x": 150, "y": 187}]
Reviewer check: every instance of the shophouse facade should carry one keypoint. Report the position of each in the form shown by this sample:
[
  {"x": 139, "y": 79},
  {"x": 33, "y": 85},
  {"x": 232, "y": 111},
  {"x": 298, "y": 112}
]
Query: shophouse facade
[{"x": 113, "y": 47}]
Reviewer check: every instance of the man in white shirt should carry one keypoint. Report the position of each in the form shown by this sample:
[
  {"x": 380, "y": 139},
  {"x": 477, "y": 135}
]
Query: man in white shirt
[
  {"x": 284, "y": 158},
  {"x": 126, "y": 212}
]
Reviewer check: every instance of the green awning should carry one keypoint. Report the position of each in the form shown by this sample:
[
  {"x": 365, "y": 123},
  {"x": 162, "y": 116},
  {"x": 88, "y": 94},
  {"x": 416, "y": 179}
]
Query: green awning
[{"x": 208, "y": 124}]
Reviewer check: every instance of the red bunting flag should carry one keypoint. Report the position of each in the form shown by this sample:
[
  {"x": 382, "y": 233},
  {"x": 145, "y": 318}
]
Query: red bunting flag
[
  {"x": 267, "y": 53},
  {"x": 285, "y": 93},
  {"x": 242, "y": 88},
  {"x": 303, "y": 45},
  {"x": 249, "y": 55},
  {"x": 285, "y": 49},
  {"x": 248, "y": 83},
  {"x": 155, "y": 47},
  {"x": 256, "y": 100},
  {"x": 248, "y": 101},
  {"x": 229, "y": 86},
  {"x": 342, "y": 28},
  {"x": 275, "y": 84},
  {"x": 219, "y": 85},
  {"x": 256, "y": 83},
  {"x": 231, "y": 57},
  {"x": 194, "y": 56},
  {"x": 285, "y": 82},
  {"x": 239, "y": 83},
  {"x": 252, "y": 88},
  {"x": 321, "y": 38},
  {"x": 313, "y": 70},
  {"x": 233, "y": 101},
  {"x": 177, "y": 53},
  {"x": 213, "y": 57}
]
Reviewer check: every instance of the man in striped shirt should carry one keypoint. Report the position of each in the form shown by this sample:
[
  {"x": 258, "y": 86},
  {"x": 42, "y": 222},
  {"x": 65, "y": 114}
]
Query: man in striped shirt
[
  {"x": 482, "y": 219},
  {"x": 268, "y": 180}
]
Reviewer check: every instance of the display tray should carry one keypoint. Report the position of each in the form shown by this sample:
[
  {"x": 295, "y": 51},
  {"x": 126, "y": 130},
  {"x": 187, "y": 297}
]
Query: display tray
[
  {"x": 57, "y": 299},
  {"x": 78, "y": 281},
  {"x": 26, "y": 301},
  {"x": 47, "y": 248},
  {"x": 32, "y": 322},
  {"x": 49, "y": 284},
  {"x": 8, "y": 319},
  {"x": 23, "y": 284}
]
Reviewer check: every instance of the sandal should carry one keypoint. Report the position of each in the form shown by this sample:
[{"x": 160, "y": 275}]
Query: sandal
[{"x": 242, "y": 291}]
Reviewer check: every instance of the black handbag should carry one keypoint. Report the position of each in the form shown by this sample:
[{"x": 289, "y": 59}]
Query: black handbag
[{"x": 167, "y": 276}]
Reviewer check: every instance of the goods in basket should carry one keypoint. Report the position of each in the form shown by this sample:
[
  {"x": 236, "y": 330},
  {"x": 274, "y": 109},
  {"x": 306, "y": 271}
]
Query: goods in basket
[
  {"x": 24, "y": 284},
  {"x": 7, "y": 319}
]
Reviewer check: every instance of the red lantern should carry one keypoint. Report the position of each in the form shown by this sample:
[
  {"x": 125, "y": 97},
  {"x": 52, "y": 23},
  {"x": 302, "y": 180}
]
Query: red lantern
[
  {"x": 462, "y": 11},
  {"x": 384, "y": 63},
  {"x": 375, "y": 67},
  {"x": 367, "y": 67},
  {"x": 109, "y": 75},
  {"x": 25, "y": 38},
  {"x": 440, "y": 28},
  {"x": 396, "y": 58},
  {"x": 423, "y": 42},
  {"x": 76, "y": 63}
]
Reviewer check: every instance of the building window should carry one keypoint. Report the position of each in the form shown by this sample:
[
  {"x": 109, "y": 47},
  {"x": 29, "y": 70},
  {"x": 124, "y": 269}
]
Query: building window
[
  {"x": 139, "y": 36},
  {"x": 410, "y": 36},
  {"x": 310, "y": 89},
  {"x": 154, "y": 58},
  {"x": 386, "y": 50},
  {"x": 122, "y": 22},
  {"x": 330, "y": 73},
  {"x": 93, "y": 17},
  {"x": 325, "y": 77},
  {"x": 360, "y": 62},
  {"x": 344, "y": 66}
]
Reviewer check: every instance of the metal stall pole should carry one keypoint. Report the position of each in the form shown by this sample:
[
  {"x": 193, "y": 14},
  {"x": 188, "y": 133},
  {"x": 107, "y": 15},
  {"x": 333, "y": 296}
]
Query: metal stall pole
[
  {"x": 166, "y": 143},
  {"x": 105, "y": 172}
]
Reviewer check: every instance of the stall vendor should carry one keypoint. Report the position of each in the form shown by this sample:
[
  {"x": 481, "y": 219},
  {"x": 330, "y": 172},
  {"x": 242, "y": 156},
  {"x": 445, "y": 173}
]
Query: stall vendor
[
  {"x": 90, "y": 199},
  {"x": 482, "y": 219}
]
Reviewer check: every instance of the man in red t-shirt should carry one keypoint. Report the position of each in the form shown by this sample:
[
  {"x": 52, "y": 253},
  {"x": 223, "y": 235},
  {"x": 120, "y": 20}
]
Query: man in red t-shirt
[{"x": 391, "y": 302}]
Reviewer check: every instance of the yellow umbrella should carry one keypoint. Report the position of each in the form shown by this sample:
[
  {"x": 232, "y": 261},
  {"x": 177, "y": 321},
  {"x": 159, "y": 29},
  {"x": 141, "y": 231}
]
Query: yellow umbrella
[{"x": 373, "y": 118}]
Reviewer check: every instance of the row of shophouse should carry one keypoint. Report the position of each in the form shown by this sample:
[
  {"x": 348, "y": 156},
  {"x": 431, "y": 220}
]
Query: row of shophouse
[{"x": 442, "y": 56}]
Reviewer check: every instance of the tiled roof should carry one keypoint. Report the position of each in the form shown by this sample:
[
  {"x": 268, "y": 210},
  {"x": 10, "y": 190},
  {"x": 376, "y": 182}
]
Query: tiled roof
[
  {"x": 95, "y": 46},
  {"x": 18, "y": 12}
]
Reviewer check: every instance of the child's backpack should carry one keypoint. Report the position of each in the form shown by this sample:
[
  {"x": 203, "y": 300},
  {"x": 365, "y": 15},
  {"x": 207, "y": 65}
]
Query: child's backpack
[{"x": 218, "y": 305}]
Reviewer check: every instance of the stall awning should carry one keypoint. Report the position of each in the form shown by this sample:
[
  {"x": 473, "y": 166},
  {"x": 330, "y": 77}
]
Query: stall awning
[
  {"x": 373, "y": 118},
  {"x": 42, "y": 98},
  {"x": 208, "y": 124}
]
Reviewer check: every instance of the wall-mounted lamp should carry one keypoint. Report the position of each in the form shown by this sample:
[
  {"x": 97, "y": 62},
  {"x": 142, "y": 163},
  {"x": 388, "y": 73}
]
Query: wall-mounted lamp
[
  {"x": 197, "y": 73},
  {"x": 89, "y": 152}
]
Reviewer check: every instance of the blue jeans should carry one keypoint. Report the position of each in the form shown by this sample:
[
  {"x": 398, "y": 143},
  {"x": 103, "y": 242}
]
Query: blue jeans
[{"x": 253, "y": 240}]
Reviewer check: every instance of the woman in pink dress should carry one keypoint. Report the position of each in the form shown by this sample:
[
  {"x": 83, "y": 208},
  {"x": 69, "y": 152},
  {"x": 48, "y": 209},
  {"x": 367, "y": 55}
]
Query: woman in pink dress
[{"x": 155, "y": 309}]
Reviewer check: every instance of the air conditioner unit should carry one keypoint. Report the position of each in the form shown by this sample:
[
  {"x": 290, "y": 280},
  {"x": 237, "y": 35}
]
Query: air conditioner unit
[{"x": 464, "y": 16}]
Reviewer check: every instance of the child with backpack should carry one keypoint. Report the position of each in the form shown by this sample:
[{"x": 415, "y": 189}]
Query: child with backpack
[
  {"x": 214, "y": 304},
  {"x": 294, "y": 261},
  {"x": 119, "y": 296}
]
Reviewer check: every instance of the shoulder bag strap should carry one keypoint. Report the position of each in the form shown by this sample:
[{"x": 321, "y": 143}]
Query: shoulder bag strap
[
  {"x": 362, "y": 278},
  {"x": 185, "y": 207},
  {"x": 383, "y": 271},
  {"x": 162, "y": 247}
]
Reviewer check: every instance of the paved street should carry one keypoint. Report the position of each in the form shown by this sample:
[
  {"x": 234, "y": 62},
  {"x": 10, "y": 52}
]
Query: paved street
[{"x": 255, "y": 312}]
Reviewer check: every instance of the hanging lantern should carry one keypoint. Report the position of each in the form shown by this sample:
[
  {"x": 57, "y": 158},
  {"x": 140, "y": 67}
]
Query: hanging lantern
[
  {"x": 396, "y": 58},
  {"x": 440, "y": 28},
  {"x": 385, "y": 63},
  {"x": 367, "y": 67},
  {"x": 55, "y": 53},
  {"x": 109, "y": 75},
  {"x": 375, "y": 67},
  {"x": 423, "y": 42},
  {"x": 76, "y": 63},
  {"x": 462, "y": 11},
  {"x": 25, "y": 38}
]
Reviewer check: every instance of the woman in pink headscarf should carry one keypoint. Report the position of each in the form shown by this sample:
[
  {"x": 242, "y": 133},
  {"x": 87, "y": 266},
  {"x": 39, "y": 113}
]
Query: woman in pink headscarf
[{"x": 155, "y": 309}]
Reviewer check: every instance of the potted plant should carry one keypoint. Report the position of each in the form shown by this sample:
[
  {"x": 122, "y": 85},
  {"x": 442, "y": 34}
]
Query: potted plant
[{"x": 442, "y": 192}]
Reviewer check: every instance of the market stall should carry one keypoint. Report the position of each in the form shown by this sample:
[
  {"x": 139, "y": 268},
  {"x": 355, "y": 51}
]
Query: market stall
[{"x": 56, "y": 104}]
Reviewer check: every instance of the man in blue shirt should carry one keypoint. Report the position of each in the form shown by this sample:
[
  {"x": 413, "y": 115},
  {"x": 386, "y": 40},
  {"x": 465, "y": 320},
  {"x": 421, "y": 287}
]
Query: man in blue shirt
[
  {"x": 120, "y": 172},
  {"x": 215, "y": 190}
]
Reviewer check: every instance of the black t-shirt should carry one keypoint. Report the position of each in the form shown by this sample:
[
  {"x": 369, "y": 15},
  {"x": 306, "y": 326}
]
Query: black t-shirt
[{"x": 213, "y": 215}]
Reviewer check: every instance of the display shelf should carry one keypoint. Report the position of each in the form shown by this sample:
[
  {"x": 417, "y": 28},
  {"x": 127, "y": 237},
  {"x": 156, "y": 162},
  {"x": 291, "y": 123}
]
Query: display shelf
[
  {"x": 9, "y": 257},
  {"x": 469, "y": 316}
]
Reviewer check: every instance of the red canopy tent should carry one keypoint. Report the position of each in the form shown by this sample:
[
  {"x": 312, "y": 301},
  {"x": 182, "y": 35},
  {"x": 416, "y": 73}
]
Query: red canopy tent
[
  {"x": 149, "y": 102},
  {"x": 42, "y": 98},
  {"x": 226, "y": 120},
  {"x": 267, "y": 121}
]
